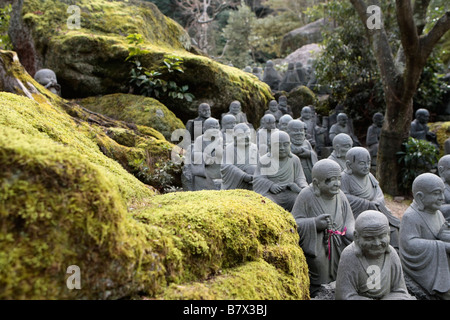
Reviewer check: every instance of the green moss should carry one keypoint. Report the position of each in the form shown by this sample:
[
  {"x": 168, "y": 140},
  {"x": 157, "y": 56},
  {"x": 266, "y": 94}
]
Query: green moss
[
  {"x": 256, "y": 280},
  {"x": 63, "y": 202},
  {"x": 136, "y": 109},
  {"x": 442, "y": 131}
]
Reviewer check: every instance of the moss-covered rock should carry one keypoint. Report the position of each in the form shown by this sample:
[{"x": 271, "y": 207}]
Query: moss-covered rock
[
  {"x": 90, "y": 61},
  {"x": 298, "y": 98},
  {"x": 135, "y": 109},
  {"x": 442, "y": 131}
]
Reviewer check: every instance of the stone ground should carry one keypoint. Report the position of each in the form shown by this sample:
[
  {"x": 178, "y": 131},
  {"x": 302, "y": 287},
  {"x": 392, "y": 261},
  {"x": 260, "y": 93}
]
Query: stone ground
[{"x": 397, "y": 205}]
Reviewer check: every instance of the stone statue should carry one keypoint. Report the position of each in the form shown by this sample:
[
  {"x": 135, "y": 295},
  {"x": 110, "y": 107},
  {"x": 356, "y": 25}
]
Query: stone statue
[
  {"x": 425, "y": 238},
  {"x": 301, "y": 147},
  {"x": 207, "y": 154},
  {"x": 248, "y": 69},
  {"x": 419, "y": 128},
  {"x": 264, "y": 133},
  {"x": 283, "y": 105},
  {"x": 228, "y": 123},
  {"x": 341, "y": 144},
  {"x": 195, "y": 126},
  {"x": 447, "y": 146},
  {"x": 325, "y": 223},
  {"x": 271, "y": 76},
  {"x": 257, "y": 71},
  {"x": 47, "y": 78},
  {"x": 342, "y": 127},
  {"x": 301, "y": 74},
  {"x": 308, "y": 117},
  {"x": 283, "y": 122},
  {"x": 290, "y": 79},
  {"x": 363, "y": 191},
  {"x": 235, "y": 109},
  {"x": 273, "y": 110},
  {"x": 370, "y": 269},
  {"x": 444, "y": 173},
  {"x": 373, "y": 136},
  {"x": 279, "y": 175},
  {"x": 239, "y": 160}
]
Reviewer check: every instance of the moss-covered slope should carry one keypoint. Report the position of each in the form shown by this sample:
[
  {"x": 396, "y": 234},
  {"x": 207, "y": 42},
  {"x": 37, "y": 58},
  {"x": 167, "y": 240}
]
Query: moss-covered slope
[
  {"x": 90, "y": 60},
  {"x": 135, "y": 109}
]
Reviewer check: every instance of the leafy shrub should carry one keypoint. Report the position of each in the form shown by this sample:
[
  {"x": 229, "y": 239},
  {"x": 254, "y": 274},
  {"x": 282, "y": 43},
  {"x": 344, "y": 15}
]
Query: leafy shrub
[
  {"x": 156, "y": 83},
  {"x": 5, "y": 42},
  {"x": 417, "y": 157}
]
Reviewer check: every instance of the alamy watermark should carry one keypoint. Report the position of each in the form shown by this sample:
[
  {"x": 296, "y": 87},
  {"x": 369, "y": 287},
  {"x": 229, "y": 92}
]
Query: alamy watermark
[
  {"x": 374, "y": 20},
  {"x": 73, "y": 281},
  {"x": 74, "y": 20}
]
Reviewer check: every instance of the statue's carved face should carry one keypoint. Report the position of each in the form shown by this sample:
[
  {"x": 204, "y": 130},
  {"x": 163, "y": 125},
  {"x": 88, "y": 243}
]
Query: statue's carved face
[
  {"x": 228, "y": 123},
  {"x": 373, "y": 244},
  {"x": 432, "y": 200},
  {"x": 297, "y": 133},
  {"x": 330, "y": 185},
  {"x": 423, "y": 118},
  {"x": 360, "y": 166},
  {"x": 342, "y": 120},
  {"x": 378, "y": 121},
  {"x": 273, "y": 106},
  {"x": 342, "y": 149},
  {"x": 204, "y": 111},
  {"x": 444, "y": 173},
  {"x": 306, "y": 113},
  {"x": 269, "y": 123},
  {"x": 235, "y": 108}
]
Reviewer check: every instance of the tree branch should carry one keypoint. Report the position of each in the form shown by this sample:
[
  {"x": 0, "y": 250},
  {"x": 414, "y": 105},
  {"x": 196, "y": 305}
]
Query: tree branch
[
  {"x": 408, "y": 29},
  {"x": 380, "y": 45},
  {"x": 420, "y": 14},
  {"x": 428, "y": 41}
]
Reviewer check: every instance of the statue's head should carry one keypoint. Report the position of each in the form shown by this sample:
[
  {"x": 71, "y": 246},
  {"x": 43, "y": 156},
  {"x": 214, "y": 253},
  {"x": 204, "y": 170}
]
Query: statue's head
[
  {"x": 296, "y": 130},
  {"x": 235, "y": 107},
  {"x": 241, "y": 134},
  {"x": 284, "y": 121},
  {"x": 282, "y": 100},
  {"x": 298, "y": 65},
  {"x": 47, "y": 78},
  {"x": 273, "y": 105},
  {"x": 306, "y": 113},
  {"x": 422, "y": 115},
  {"x": 268, "y": 122},
  {"x": 372, "y": 233},
  {"x": 291, "y": 66},
  {"x": 228, "y": 121},
  {"x": 358, "y": 161},
  {"x": 326, "y": 178},
  {"x": 444, "y": 168},
  {"x": 204, "y": 110},
  {"x": 342, "y": 119},
  {"x": 269, "y": 64},
  {"x": 341, "y": 144},
  {"x": 378, "y": 119},
  {"x": 211, "y": 124},
  {"x": 280, "y": 145},
  {"x": 428, "y": 192}
]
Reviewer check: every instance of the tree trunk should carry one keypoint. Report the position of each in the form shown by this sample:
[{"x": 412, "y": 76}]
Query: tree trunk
[{"x": 394, "y": 132}]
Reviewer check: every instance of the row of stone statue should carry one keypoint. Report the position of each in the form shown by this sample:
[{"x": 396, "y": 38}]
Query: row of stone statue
[
  {"x": 295, "y": 76},
  {"x": 327, "y": 198}
]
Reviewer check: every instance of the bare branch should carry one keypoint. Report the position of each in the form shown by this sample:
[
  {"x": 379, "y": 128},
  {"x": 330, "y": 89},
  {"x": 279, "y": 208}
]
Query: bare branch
[
  {"x": 420, "y": 14},
  {"x": 408, "y": 30},
  {"x": 428, "y": 41}
]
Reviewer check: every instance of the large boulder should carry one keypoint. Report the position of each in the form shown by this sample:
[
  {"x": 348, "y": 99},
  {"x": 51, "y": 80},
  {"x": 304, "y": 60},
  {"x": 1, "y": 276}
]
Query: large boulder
[
  {"x": 90, "y": 61},
  {"x": 66, "y": 201},
  {"x": 310, "y": 33}
]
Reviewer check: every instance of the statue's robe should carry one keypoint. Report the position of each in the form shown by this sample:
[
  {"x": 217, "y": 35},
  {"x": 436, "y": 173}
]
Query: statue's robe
[
  {"x": 311, "y": 134},
  {"x": 264, "y": 140},
  {"x": 356, "y": 279},
  {"x": 289, "y": 171},
  {"x": 307, "y": 159},
  {"x": 322, "y": 260},
  {"x": 234, "y": 168},
  {"x": 340, "y": 161},
  {"x": 445, "y": 208},
  {"x": 192, "y": 124},
  {"x": 359, "y": 196},
  {"x": 423, "y": 256},
  {"x": 207, "y": 176},
  {"x": 372, "y": 140}
]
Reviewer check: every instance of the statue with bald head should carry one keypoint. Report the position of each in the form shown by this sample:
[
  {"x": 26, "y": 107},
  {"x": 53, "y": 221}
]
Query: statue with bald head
[
  {"x": 239, "y": 160},
  {"x": 279, "y": 175},
  {"x": 325, "y": 223},
  {"x": 47, "y": 78},
  {"x": 369, "y": 268},
  {"x": 444, "y": 173},
  {"x": 343, "y": 126},
  {"x": 283, "y": 122},
  {"x": 228, "y": 123},
  {"x": 424, "y": 238},
  {"x": 264, "y": 133},
  {"x": 363, "y": 190},
  {"x": 195, "y": 126},
  {"x": 207, "y": 153},
  {"x": 341, "y": 144},
  {"x": 301, "y": 147},
  {"x": 274, "y": 110},
  {"x": 271, "y": 76},
  {"x": 235, "y": 109},
  {"x": 373, "y": 136}
]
